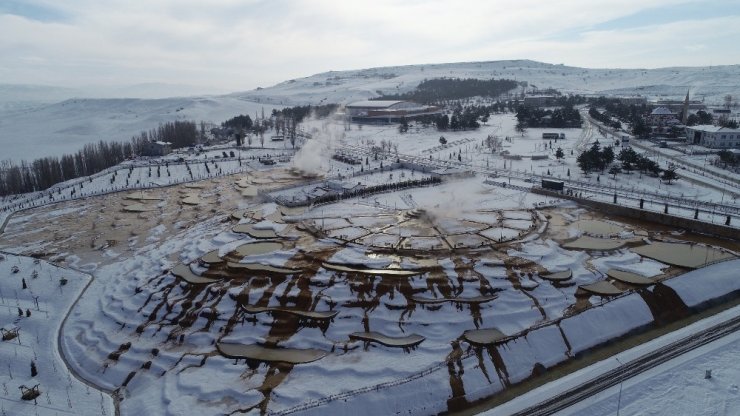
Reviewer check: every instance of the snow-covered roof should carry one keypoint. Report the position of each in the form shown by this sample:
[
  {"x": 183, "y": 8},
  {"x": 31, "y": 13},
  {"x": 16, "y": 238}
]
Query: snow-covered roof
[
  {"x": 662, "y": 111},
  {"x": 713, "y": 129},
  {"x": 449, "y": 171},
  {"x": 163, "y": 143},
  {"x": 351, "y": 186},
  {"x": 318, "y": 192},
  {"x": 374, "y": 103}
]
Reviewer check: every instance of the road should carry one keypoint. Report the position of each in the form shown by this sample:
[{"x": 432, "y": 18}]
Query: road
[{"x": 706, "y": 177}]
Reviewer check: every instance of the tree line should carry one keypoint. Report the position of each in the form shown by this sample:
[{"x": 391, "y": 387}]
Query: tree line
[
  {"x": 439, "y": 89},
  {"x": 42, "y": 173},
  {"x": 598, "y": 159},
  {"x": 284, "y": 122},
  {"x": 462, "y": 118},
  {"x": 631, "y": 114},
  {"x": 595, "y": 158},
  {"x": 296, "y": 114},
  {"x": 562, "y": 117},
  {"x": 179, "y": 133},
  {"x": 634, "y": 115},
  {"x": 604, "y": 118},
  {"x": 299, "y": 113},
  {"x": 728, "y": 158}
]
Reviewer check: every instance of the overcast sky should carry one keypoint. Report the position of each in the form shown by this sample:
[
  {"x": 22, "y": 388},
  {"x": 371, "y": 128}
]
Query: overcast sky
[{"x": 242, "y": 44}]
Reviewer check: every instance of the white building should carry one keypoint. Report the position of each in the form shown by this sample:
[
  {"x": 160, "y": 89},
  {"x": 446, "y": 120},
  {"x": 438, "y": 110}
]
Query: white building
[{"x": 714, "y": 136}]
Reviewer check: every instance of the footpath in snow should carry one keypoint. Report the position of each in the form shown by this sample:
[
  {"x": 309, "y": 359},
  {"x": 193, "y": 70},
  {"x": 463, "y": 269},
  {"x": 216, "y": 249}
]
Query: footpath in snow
[{"x": 35, "y": 297}]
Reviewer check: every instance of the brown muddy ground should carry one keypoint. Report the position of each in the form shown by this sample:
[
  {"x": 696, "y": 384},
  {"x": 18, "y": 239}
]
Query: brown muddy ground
[
  {"x": 121, "y": 223},
  {"x": 290, "y": 299}
]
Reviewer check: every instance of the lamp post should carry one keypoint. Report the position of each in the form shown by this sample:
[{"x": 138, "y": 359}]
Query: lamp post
[{"x": 619, "y": 399}]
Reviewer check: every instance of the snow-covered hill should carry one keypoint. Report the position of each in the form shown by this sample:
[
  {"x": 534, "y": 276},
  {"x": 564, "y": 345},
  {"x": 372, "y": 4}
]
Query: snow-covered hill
[
  {"x": 710, "y": 83},
  {"x": 64, "y": 127},
  {"x": 11, "y": 94},
  {"x": 29, "y": 131}
]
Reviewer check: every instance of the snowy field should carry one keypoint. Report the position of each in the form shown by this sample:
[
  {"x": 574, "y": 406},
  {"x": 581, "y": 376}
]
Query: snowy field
[
  {"x": 35, "y": 297},
  {"x": 467, "y": 150},
  {"x": 64, "y": 127},
  {"x": 677, "y": 387},
  {"x": 347, "y": 86},
  {"x": 207, "y": 299},
  {"x": 173, "y": 364}
]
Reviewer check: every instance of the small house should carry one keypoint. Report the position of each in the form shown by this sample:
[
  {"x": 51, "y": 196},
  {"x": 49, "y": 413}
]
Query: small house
[{"x": 156, "y": 148}]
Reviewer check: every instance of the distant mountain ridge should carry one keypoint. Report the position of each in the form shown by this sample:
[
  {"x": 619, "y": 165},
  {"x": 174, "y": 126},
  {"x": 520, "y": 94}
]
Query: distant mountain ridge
[
  {"x": 33, "y": 93},
  {"x": 38, "y": 121},
  {"x": 64, "y": 127},
  {"x": 710, "y": 83}
]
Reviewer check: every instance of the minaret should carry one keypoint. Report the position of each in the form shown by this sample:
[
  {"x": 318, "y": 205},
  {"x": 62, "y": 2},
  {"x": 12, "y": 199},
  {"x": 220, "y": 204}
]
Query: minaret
[{"x": 685, "y": 117}]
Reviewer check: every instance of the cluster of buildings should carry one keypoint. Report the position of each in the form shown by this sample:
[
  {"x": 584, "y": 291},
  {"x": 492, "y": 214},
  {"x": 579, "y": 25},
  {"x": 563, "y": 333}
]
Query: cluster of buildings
[
  {"x": 662, "y": 119},
  {"x": 672, "y": 115}
]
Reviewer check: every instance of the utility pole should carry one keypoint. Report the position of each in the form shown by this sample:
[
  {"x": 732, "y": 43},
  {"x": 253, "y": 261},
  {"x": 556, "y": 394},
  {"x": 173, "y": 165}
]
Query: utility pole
[{"x": 619, "y": 399}]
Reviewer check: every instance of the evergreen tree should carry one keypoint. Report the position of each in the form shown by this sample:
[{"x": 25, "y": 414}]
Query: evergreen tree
[
  {"x": 607, "y": 155},
  {"x": 614, "y": 170},
  {"x": 404, "y": 126},
  {"x": 669, "y": 175},
  {"x": 704, "y": 117},
  {"x": 585, "y": 162},
  {"x": 639, "y": 128},
  {"x": 521, "y": 127}
]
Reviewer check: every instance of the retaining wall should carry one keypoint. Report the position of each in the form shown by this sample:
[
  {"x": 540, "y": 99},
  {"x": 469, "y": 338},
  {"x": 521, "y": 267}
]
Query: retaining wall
[{"x": 652, "y": 216}]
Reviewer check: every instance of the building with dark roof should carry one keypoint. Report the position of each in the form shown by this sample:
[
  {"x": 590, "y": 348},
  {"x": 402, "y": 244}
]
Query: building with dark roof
[
  {"x": 662, "y": 116},
  {"x": 540, "y": 100},
  {"x": 156, "y": 148},
  {"x": 387, "y": 111}
]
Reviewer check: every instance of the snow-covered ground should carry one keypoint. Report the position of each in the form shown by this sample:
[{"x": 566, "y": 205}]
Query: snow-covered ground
[
  {"x": 154, "y": 335},
  {"x": 135, "y": 300},
  {"x": 178, "y": 167},
  {"x": 467, "y": 150},
  {"x": 63, "y": 127},
  {"x": 345, "y": 86},
  {"x": 675, "y": 387},
  {"x": 34, "y": 301}
]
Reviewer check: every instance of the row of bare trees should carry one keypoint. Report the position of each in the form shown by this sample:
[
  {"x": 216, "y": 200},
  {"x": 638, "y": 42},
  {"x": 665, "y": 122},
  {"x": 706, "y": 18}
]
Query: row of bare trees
[
  {"x": 179, "y": 133},
  {"x": 42, "y": 173}
]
